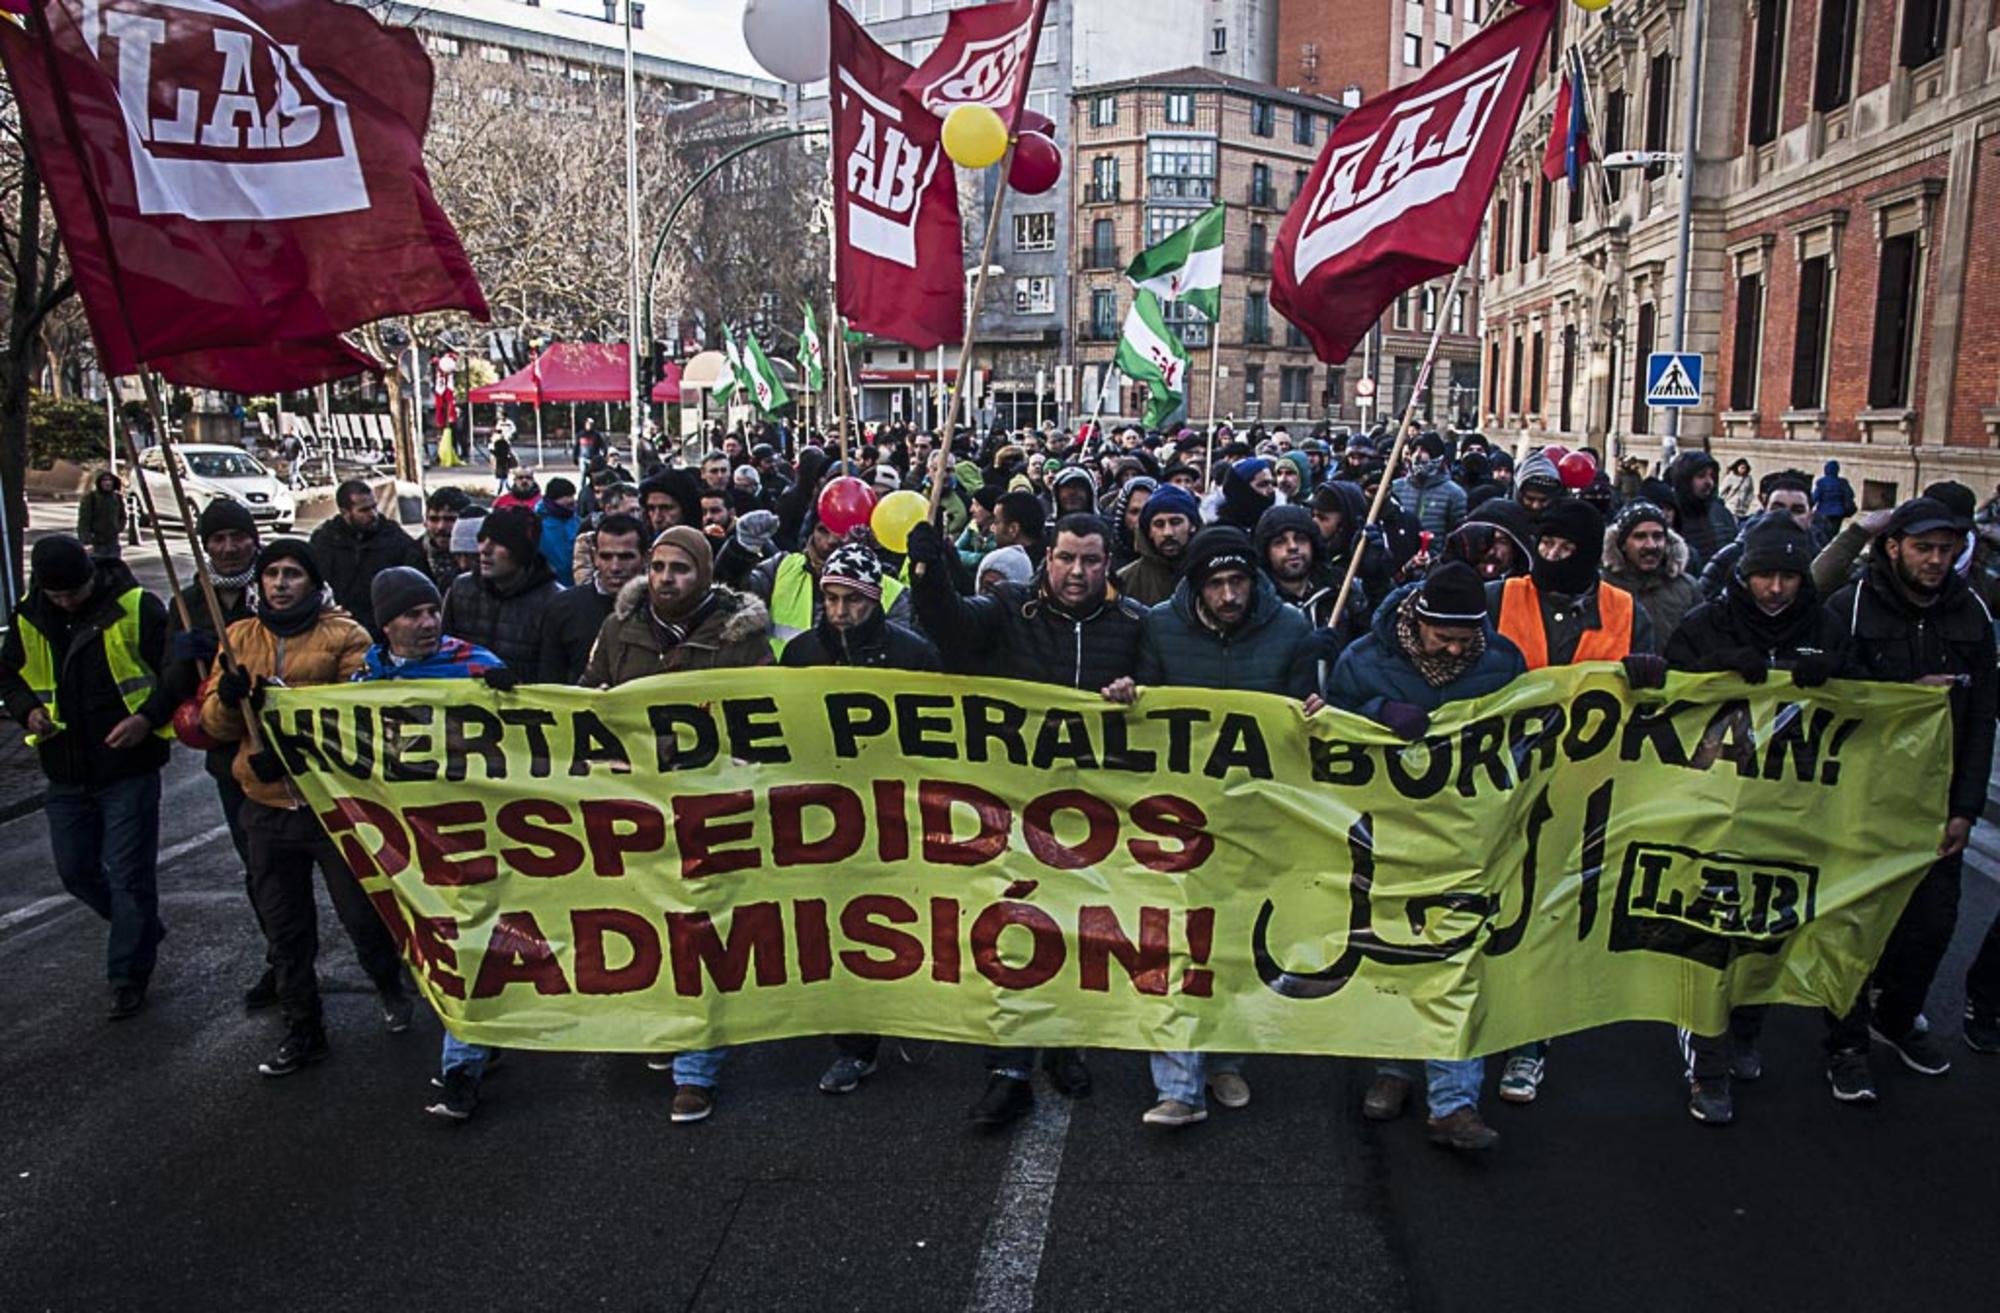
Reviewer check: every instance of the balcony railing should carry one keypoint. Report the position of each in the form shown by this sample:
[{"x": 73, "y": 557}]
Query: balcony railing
[
  {"x": 1096, "y": 256},
  {"x": 1097, "y": 330}
]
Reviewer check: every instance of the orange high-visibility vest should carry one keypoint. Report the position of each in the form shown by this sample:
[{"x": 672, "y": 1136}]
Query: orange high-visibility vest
[{"x": 1521, "y": 622}]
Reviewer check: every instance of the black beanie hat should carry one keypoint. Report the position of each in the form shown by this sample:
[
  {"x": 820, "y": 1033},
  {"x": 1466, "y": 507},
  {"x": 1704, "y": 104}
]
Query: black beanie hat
[
  {"x": 291, "y": 549},
  {"x": 1219, "y": 547},
  {"x": 1773, "y": 543},
  {"x": 1635, "y": 514},
  {"x": 60, "y": 564},
  {"x": 1452, "y": 594},
  {"x": 399, "y": 589},
  {"x": 222, "y": 515},
  {"x": 515, "y": 528},
  {"x": 1573, "y": 521}
]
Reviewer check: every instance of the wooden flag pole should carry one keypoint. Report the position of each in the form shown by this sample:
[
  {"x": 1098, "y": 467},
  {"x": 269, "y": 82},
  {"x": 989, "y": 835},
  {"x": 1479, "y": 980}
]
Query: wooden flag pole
[{"x": 153, "y": 519}]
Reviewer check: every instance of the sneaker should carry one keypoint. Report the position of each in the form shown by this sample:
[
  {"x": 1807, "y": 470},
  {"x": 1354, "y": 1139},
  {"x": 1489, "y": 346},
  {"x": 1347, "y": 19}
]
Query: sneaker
[
  {"x": 1522, "y": 1079},
  {"x": 461, "y": 1095},
  {"x": 1385, "y": 1098},
  {"x": 1067, "y": 1072},
  {"x": 1172, "y": 1112},
  {"x": 261, "y": 995},
  {"x": 1847, "y": 1072},
  {"x": 1230, "y": 1089},
  {"x": 126, "y": 1001},
  {"x": 1982, "y": 1033},
  {"x": 1746, "y": 1063},
  {"x": 693, "y": 1103},
  {"x": 660, "y": 1062},
  {"x": 1919, "y": 1050},
  {"x": 1464, "y": 1131},
  {"x": 1005, "y": 1099},
  {"x": 397, "y": 1009},
  {"x": 1709, "y": 1101},
  {"x": 303, "y": 1046},
  {"x": 845, "y": 1075}
]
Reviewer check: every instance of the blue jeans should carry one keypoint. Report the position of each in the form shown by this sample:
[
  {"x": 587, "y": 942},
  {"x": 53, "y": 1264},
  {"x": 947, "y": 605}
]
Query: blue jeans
[
  {"x": 106, "y": 840},
  {"x": 1184, "y": 1076},
  {"x": 1451, "y": 1084},
  {"x": 457, "y": 1053},
  {"x": 701, "y": 1067}
]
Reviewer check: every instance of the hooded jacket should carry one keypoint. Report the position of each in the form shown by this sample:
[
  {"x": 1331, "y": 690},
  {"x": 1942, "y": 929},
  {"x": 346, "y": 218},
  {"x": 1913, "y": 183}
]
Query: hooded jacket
[
  {"x": 1123, "y": 550},
  {"x": 1377, "y": 670},
  {"x": 330, "y": 652},
  {"x": 1667, "y": 594},
  {"x": 100, "y": 515},
  {"x": 1376, "y": 575},
  {"x": 1721, "y": 567},
  {"x": 1715, "y": 635},
  {"x": 629, "y": 645},
  {"x": 1019, "y": 633},
  {"x": 876, "y": 644},
  {"x": 1271, "y": 651},
  {"x": 506, "y": 621},
  {"x": 349, "y": 560},
  {"x": 1069, "y": 475},
  {"x": 1881, "y": 635},
  {"x": 1832, "y": 496},
  {"x": 558, "y": 541},
  {"x": 1150, "y": 579},
  {"x": 1706, "y": 523},
  {"x": 1432, "y": 498}
]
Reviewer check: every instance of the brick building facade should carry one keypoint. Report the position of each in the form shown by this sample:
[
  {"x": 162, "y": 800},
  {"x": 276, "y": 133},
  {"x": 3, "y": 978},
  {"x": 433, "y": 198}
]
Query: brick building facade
[
  {"x": 1328, "y": 46},
  {"x": 1845, "y": 234}
]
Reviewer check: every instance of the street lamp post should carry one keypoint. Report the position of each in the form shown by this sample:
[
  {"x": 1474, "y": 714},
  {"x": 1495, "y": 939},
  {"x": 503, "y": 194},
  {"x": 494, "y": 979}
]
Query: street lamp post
[{"x": 631, "y": 244}]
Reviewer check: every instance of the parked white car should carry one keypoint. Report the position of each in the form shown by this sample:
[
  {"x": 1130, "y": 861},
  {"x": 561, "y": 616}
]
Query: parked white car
[{"x": 209, "y": 473}]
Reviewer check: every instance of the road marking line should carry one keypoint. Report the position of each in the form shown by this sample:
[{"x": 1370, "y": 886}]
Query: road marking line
[
  {"x": 188, "y": 845},
  {"x": 32, "y": 910},
  {"x": 1010, "y": 1257}
]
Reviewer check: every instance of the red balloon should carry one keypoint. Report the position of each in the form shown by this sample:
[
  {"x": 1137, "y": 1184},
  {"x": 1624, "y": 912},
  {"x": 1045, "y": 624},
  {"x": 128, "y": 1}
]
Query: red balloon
[
  {"x": 1555, "y": 451},
  {"x": 1037, "y": 164},
  {"x": 1577, "y": 471},
  {"x": 846, "y": 505},
  {"x": 1034, "y": 121}
]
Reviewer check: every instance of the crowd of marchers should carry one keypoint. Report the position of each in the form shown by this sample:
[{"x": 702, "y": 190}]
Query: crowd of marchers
[{"x": 1102, "y": 561}]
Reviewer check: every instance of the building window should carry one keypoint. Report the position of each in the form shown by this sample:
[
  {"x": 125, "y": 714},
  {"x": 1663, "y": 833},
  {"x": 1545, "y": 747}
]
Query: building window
[
  {"x": 1894, "y": 345},
  {"x": 1809, "y": 340},
  {"x": 1302, "y": 127},
  {"x": 1259, "y": 259},
  {"x": 1185, "y": 322},
  {"x": 1403, "y": 310},
  {"x": 1614, "y": 138},
  {"x": 1527, "y": 219},
  {"x": 1458, "y": 314},
  {"x": 1034, "y": 296},
  {"x": 1430, "y": 312},
  {"x": 1253, "y": 390},
  {"x": 496, "y": 54},
  {"x": 1493, "y": 377},
  {"x": 1926, "y": 31},
  {"x": 1538, "y": 365},
  {"x": 1180, "y": 107},
  {"x": 1405, "y": 385},
  {"x": 1180, "y": 168},
  {"x": 1575, "y": 191},
  {"x": 1218, "y": 40},
  {"x": 1542, "y": 215},
  {"x": 1439, "y": 50},
  {"x": 1642, "y": 348},
  {"x": 1413, "y": 50},
  {"x": 1263, "y": 118},
  {"x": 1295, "y": 389},
  {"x": 1103, "y": 245},
  {"x": 1260, "y": 185},
  {"x": 1257, "y": 319},
  {"x": 1335, "y": 395},
  {"x": 1295, "y": 337},
  {"x": 1767, "y": 72},
  {"x": 1035, "y": 232},
  {"x": 1103, "y": 314},
  {"x": 1299, "y": 177},
  {"x": 1659, "y": 107},
  {"x": 1833, "y": 63},
  {"x": 1749, "y": 344},
  {"x": 1567, "y": 395},
  {"x": 1501, "y": 232},
  {"x": 1104, "y": 111},
  {"x": 1515, "y": 378}
]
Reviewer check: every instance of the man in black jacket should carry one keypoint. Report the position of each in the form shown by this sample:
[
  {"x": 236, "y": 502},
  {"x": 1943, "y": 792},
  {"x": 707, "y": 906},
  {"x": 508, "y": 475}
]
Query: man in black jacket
[
  {"x": 1911, "y": 620},
  {"x": 1064, "y": 627},
  {"x": 80, "y": 669},
  {"x": 852, "y": 630},
  {"x": 356, "y": 545},
  {"x": 571, "y": 621},
  {"x": 500, "y": 607},
  {"x": 1769, "y": 617}
]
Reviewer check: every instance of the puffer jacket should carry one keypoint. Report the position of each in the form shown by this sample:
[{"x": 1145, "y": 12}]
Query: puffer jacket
[
  {"x": 629, "y": 645},
  {"x": 1018, "y": 633},
  {"x": 1377, "y": 670},
  {"x": 331, "y": 652},
  {"x": 505, "y": 621},
  {"x": 1431, "y": 496},
  {"x": 349, "y": 562},
  {"x": 558, "y": 545},
  {"x": 1272, "y": 651},
  {"x": 454, "y": 659},
  {"x": 1668, "y": 595}
]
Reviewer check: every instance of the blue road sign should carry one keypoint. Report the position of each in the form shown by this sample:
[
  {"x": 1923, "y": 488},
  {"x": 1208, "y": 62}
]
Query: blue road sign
[{"x": 1673, "y": 378}]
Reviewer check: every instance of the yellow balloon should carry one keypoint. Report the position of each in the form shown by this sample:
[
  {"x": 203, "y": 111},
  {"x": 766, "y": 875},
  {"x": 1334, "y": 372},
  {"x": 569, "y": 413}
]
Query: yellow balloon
[
  {"x": 1592, "y": 6},
  {"x": 894, "y": 517},
  {"x": 974, "y": 136}
]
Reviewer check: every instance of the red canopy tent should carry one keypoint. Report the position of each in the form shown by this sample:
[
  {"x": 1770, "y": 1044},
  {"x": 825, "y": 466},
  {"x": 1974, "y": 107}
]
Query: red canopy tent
[
  {"x": 668, "y": 389},
  {"x": 566, "y": 371}
]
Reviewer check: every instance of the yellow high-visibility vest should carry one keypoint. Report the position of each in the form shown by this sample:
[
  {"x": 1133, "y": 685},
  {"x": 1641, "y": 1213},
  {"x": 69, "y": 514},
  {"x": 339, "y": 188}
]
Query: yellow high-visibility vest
[{"x": 134, "y": 678}]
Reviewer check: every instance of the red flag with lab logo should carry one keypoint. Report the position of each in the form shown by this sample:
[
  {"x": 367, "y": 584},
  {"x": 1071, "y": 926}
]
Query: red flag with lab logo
[
  {"x": 897, "y": 248},
  {"x": 236, "y": 182},
  {"x": 986, "y": 57},
  {"x": 1399, "y": 194}
]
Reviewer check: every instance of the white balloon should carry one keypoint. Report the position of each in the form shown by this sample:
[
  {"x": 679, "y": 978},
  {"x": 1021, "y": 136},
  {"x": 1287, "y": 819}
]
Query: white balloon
[{"x": 788, "y": 37}]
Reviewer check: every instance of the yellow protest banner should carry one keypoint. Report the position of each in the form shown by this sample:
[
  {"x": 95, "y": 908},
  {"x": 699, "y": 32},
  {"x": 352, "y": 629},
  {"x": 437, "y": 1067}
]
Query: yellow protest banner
[{"x": 734, "y": 856}]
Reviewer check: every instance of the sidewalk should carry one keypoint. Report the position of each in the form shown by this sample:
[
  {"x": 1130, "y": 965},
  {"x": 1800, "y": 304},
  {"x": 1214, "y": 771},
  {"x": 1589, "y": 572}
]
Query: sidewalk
[{"x": 21, "y": 781}]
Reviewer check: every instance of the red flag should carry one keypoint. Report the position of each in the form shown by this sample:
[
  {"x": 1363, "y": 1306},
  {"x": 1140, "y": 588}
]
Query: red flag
[
  {"x": 1555, "y": 156},
  {"x": 897, "y": 249},
  {"x": 280, "y": 366},
  {"x": 1400, "y": 190},
  {"x": 986, "y": 57},
  {"x": 236, "y": 174}
]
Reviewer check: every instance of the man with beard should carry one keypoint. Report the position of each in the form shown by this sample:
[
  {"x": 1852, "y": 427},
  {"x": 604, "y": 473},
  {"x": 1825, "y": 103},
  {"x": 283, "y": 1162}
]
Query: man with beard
[
  {"x": 1649, "y": 560},
  {"x": 1074, "y": 492},
  {"x": 1292, "y": 555},
  {"x": 441, "y": 511},
  {"x": 571, "y": 621},
  {"x": 1768, "y": 617},
  {"x": 1166, "y": 525},
  {"x": 1494, "y": 540},
  {"x": 1705, "y": 522},
  {"x": 500, "y": 607},
  {"x": 356, "y": 545},
  {"x": 669, "y": 498},
  {"x": 1427, "y": 493},
  {"x": 1912, "y": 619}
]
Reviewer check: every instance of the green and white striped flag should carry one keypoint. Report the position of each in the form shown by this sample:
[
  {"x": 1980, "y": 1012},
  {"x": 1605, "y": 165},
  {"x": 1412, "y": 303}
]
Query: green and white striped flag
[
  {"x": 739, "y": 373},
  {"x": 1186, "y": 266},
  {"x": 1152, "y": 353},
  {"x": 765, "y": 386},
  {"x": 812, "y": 354}
]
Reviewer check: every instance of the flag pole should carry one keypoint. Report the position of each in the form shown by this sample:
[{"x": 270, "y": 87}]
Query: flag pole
[
  {"x": 949, "y": 432},
  {"x": 1396, "y": 451},
  {"x": 843, "y": 403},
  {"x": 1215, "y": 366},
  {"x": 638, "y": 408}
]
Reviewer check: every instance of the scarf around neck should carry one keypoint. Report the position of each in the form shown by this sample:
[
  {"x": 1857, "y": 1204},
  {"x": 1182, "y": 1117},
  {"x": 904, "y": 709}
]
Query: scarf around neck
[{"x": 1437, "y": 670}]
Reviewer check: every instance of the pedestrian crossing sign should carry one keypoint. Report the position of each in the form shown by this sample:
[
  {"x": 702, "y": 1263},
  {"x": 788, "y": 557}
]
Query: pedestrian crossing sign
[{"x": 1673, "y": 378}]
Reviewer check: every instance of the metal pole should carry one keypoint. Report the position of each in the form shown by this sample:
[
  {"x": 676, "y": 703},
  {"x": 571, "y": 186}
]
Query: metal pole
[
  {"x": 1697, "y": 12},
  {"x": 631, "y": 245}
]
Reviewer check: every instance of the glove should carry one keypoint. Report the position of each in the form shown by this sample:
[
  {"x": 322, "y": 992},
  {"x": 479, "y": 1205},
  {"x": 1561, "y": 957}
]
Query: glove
[
  {"x": 233, "y": 686},
  {"x": 1814, "y": 669},
  {"x": 500, "y": 679},
  {"x": 1747, "y": 662},
  {"x": 1405, "y": 720},
  {"x": 757, "y": 530},
  {"x": 1644, "y": 670},
  {"x": 194, "y": 645},
  {"x": 267, "y": 767},
  {"x": 927, "y": 546}
]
